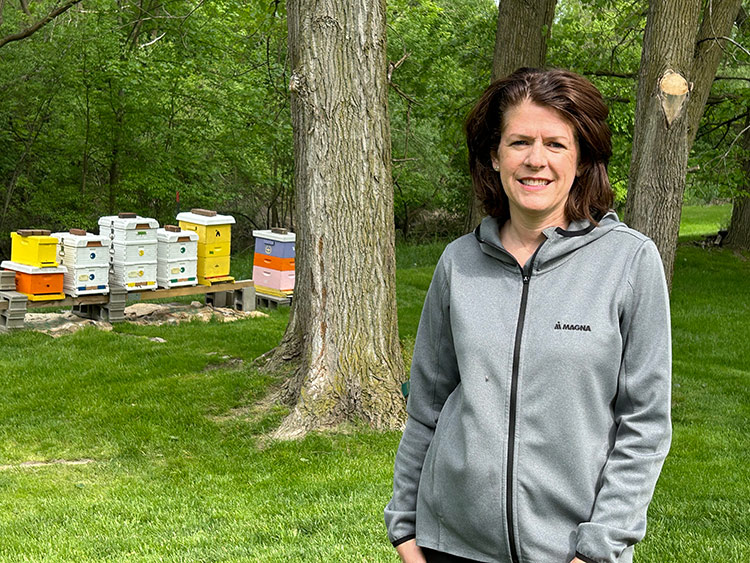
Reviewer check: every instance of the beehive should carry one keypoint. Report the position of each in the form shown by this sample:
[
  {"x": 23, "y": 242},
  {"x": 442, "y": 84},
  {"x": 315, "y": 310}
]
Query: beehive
[
  {"x": 34, "y": 247},
  {"x": 86, "y": 257},
  {"x": 177, "y": 257},
  {"x": 39, "y": 284},
  {"x": 273, "y": 262},
  {"x": 214, "y": 243},
  {"x": 133, "y": 249}
]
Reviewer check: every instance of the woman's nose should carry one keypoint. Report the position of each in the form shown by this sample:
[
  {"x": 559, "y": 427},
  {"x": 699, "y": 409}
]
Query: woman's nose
[{"x": 535, "y": 158}]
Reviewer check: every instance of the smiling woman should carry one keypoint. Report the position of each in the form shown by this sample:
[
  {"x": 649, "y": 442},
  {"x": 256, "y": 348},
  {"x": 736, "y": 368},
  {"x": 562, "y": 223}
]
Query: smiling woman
[{"x": 540, "y": 382}]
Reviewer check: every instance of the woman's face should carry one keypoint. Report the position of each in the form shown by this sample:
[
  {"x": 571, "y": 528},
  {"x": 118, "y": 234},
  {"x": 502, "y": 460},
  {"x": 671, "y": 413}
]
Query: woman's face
[{"x": 537, "y": 160}]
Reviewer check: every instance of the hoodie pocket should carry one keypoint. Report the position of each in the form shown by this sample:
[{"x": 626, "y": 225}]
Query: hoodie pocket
[{"x": 464, "y": 489}]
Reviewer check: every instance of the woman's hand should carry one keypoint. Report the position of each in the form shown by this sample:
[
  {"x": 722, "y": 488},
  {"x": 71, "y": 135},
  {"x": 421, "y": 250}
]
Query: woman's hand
[{"x": 410, "y": 553}]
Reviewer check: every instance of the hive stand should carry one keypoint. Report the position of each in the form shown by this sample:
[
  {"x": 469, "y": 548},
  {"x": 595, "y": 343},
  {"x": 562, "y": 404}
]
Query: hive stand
[{"x": 110, "y": 307}]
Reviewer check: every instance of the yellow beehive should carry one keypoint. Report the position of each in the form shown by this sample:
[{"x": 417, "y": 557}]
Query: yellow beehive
[
  {"x": 33, "y": 247},
  {"x": 214, "y": 243}
]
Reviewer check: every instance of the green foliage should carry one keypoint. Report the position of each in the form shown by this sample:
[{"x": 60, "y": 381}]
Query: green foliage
[
  {"x": 446, "y": 52},
  {"x": 122, "y": 106}
]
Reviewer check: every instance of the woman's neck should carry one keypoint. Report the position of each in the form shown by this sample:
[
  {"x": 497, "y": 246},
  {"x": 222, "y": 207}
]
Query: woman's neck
[{"x": 522, "y": 236}]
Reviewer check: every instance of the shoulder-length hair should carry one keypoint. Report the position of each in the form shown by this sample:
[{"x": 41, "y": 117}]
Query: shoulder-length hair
[{"x": 578, "y": 102}]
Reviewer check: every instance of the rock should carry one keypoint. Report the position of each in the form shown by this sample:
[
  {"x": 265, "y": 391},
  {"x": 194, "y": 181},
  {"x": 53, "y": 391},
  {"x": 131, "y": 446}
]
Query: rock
[
  {"x": 157, "y": 339},
  {"x": 144, "y": 309}
]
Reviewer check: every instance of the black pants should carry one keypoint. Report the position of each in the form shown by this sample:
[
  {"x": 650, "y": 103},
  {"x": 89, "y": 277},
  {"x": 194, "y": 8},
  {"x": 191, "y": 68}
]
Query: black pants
[{"x": 433, "y": 556}]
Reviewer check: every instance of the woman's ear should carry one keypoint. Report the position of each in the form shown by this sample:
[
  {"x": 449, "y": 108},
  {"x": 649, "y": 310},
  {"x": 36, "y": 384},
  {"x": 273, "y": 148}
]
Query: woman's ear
[{"x": 495, "y": 160}]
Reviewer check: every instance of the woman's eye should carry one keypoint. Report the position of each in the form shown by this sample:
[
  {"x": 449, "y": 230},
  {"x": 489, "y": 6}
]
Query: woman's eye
[
  {"x": 556, "y": 145},
  {"x": 519, "y": 143}
]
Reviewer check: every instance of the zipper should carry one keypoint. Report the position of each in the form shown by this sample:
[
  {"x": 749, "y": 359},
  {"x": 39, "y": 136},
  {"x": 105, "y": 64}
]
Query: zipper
[{"x": 526, "y": 278}]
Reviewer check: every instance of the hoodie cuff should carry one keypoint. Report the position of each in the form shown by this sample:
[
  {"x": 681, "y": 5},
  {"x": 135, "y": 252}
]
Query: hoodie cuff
[
  {"x": 403, "y": 540},
  {"x": 585, "y": 559}
]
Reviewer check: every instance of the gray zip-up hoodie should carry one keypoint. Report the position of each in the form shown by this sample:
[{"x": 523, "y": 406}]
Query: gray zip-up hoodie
[{"x": 540, "y": 399}]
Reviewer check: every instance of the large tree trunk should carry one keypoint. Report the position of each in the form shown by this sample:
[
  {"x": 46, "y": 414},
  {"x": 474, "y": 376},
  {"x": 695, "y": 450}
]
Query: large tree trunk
[
  {"x": 739, "y": 225},
  {"x": 523, "y": 28},
  {"x": 660, "y": 138},
  {"x": 342, "y": 338},
  {"x": 678, "y": 65}
]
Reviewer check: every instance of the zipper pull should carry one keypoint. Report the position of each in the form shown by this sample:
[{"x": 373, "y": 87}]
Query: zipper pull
[{"x": 526, "y": 279}]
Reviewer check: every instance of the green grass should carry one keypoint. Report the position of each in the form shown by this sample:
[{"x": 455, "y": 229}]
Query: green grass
[
  {"x": 702, "y": 220},
  {"x": 181, "y": 471}
]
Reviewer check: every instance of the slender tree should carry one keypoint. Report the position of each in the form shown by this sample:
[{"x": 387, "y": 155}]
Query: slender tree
[
  {"x": 342, "y": 338},
  {"x": 523, "y": 28}
]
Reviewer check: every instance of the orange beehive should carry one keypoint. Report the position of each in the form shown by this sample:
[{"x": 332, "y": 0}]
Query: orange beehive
[
  {"x": 39, "y": 284},
  {"x": 273, "y": 262}
]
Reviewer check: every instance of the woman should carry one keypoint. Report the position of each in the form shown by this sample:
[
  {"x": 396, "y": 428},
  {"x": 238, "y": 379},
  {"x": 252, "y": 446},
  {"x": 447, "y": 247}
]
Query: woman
[{"x": 540, "y": 383}]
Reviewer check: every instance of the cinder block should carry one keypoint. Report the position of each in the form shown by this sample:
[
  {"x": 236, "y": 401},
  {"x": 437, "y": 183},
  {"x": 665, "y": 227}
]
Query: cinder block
[
  {"x": 244, "y": 299},
  {"x": 11, "y": 324},
  {"x": 271, "y": 301},
  {"x": 7, "y": 280},
  {"x": 219, "y": 299}
]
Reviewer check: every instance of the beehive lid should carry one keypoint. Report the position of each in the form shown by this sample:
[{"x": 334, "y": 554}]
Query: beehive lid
[
  {"x": 128, "y": 222},
  {"x": 274, "y": 235},
  {"x": 168, "y": 235},
  {"x": 27, "y": 269},
  {"x": 203, "y": 217},
  {"x": 78, "y": 238},
  {"x": 39, "y": 235}
]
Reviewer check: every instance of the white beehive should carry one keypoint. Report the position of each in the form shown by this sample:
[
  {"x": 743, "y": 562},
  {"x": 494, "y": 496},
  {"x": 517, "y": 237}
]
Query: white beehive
[
  {"x": 133, "y": 248},
  {"x": 177, "y": 257}
]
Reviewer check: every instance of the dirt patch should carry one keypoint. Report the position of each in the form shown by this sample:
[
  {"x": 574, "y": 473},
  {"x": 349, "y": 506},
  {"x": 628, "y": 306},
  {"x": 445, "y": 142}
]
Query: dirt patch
[{"x": 61, "y": 324}]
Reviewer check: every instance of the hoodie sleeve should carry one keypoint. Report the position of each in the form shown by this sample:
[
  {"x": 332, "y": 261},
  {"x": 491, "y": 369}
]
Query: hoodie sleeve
[
  {"x": 642, "y": 416},
  {"x": 434, "y": 375}
]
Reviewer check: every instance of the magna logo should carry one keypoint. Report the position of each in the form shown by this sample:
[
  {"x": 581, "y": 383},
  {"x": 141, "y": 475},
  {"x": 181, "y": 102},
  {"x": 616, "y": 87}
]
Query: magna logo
[{"x": 561, "y": 326}]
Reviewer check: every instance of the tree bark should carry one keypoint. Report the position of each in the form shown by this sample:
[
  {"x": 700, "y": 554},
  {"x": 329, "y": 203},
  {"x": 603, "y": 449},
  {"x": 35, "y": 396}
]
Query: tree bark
[
  {"x": 342, "y": 337},
  {"x": 523, "y": 28},
  {"x": 739, "y": 225},
  {"x": 660, "y": 138}
]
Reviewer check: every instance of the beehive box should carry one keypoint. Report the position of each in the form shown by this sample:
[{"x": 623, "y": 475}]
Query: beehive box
[
  {"x": 273, "y": 282},
  {"x": 214, "y": 243},
  {"x": 176, "y": 244},
  {"x": 134, "y": 276},
  {"x": 79, "y": 249},
  {"x": 85, "y": 280},
  {"x": 128, "y": 227},
  {"x": 135, "y": 251},
  {"x": 39, "y": 284},
  {"x": 275, "y": 242},
  {"x": 34, "y": 247}
]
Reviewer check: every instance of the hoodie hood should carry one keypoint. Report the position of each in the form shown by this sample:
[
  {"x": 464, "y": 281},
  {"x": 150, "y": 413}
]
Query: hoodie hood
[{"x": 559, "y": 244}]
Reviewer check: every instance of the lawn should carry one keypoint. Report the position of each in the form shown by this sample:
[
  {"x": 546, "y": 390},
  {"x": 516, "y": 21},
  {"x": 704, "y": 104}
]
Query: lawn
[{"x": 172, "y": 464}]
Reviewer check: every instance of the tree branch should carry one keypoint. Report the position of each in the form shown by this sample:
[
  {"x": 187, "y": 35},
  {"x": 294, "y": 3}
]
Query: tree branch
[
  {"x": 732, "y": 41},
  {"x": 24, "y": 33}
]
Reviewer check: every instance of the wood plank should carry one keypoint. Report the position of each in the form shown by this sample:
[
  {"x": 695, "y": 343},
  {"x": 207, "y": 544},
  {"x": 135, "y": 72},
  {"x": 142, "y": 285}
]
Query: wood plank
[{"x": 144, "y": 295}]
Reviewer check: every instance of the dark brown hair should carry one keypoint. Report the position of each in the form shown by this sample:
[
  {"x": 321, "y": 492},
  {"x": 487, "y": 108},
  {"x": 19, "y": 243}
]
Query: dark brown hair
[{"x": 578, "y": 102}]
